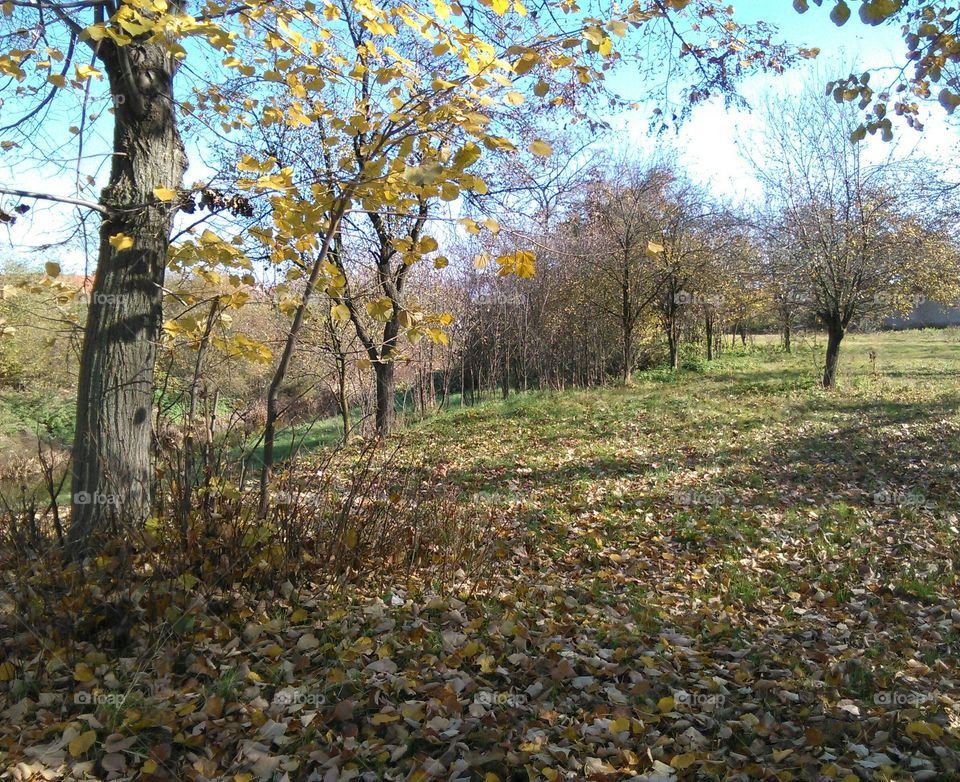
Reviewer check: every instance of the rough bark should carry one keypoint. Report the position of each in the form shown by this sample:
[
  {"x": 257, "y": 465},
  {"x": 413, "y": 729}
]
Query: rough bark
[
  {"x": 835, "y": 333},
  {"x": 383, "y": 370},
  {"x": 112, "y": 462}
]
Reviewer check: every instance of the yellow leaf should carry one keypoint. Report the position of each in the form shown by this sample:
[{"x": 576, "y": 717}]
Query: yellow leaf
[
  {"x": 381, "y": 309},
  {"x": 150, "y": 766},
  {"x": 340, "y": 313},
  {"x": 86, "y": 71},
  {"x": 82, "y": 673},
  {"x": 481, "y": 261},
  {"x": 164, "y": 193},
  {"x": 57, "y": 80},
  {"x": 514, "y": 98},
  {"x": 665, "y": 704},
  {"x": 82, "y": 743},
  {"x": 683, "y": 761},
  {"x": 383, "y": 718},
  {"x": 440, "y": 262},
  {"x": 487, "y": 662},
  {"x": 7, "y": 671},
  {"x": 427, "y": 244},
  {"x": 121, "y": 242},
  {"x": 921, "y": 728},
  {"x": 654, "y": 249},
  {"x": 52, "y": 269},
  {"x": 541, "y": 148}
]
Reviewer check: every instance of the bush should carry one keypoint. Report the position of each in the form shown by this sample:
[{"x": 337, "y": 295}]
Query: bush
[{"x": 361, "y": 520}]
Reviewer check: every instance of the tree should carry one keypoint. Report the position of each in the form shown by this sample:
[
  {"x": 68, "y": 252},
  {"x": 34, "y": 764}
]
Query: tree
[
  {"x": 620, "y": 241},
  {"x": 848, "y": 223},
  {"x": 683, "y": 246},
  {"x": 140, "y": 45}
]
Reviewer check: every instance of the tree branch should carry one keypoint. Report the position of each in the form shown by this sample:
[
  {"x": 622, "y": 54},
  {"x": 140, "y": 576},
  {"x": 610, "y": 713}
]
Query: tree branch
[{"x": 59, "y": 199}]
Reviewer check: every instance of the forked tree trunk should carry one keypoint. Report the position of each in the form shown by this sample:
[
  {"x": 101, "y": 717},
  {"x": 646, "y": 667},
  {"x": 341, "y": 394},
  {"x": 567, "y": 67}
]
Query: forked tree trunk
[
  {"x": 113, "y": 445},
  {"x": 835, "y": 334}
]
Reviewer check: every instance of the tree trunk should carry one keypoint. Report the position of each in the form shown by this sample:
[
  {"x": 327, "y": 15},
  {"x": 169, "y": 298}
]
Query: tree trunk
[
  {"x": 786, "y": 337},
  {"x": 113, "y": 445},
  {"x": 343, "y": 398},
  {"x": 673, "y": 339},
  {"x": 708, "y": 324},
  {"x": 628, "y": 356},
  {"x": 505, "y": 378},
  {"x": 385, "y": 396},
  {"x": 834, "y": 337}
]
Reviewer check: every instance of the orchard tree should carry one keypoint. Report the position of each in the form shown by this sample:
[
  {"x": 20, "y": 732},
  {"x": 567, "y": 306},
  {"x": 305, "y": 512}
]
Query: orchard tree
[
  {"x": 620, "y": 242},
  {"x": 61, "y": 52},
  {"x": 861, "y": 250}
]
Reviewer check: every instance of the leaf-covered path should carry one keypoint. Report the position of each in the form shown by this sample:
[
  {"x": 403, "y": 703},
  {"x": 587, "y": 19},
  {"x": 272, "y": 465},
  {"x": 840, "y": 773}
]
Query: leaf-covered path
[{"x": 729, "y": 575}]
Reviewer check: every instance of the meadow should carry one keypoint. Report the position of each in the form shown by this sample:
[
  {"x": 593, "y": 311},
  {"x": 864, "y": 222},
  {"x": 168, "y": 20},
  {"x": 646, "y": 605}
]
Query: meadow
[{"x": 724, "y": 572}]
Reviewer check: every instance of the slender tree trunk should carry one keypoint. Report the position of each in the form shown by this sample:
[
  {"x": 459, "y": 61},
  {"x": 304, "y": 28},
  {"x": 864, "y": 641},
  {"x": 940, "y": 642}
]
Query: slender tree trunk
[
  {"x": 112, "y": 476},
  {"x": 673, "y": 342},
  {"x": 343, "y": 398},
  {"x": 383, "y": 370},
  {"x": 708, "y": 324},
  {"x": 505, "y": 377},
  {"x": 786, "y": 337},
  {"x": 290, "y": 344},
  {"x": 628, "y": 356},
  {"x": 835, "y": 334}
]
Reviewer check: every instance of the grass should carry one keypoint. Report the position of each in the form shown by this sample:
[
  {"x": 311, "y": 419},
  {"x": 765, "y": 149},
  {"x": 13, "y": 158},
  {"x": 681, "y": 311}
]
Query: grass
[
  {"x": 744, "y": 456},
  {"x": 730, "y": 531}
]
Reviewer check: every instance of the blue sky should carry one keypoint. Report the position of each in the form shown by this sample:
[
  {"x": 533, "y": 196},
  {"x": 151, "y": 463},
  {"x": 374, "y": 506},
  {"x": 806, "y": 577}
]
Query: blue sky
[{"x": 707, "y": 144}]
